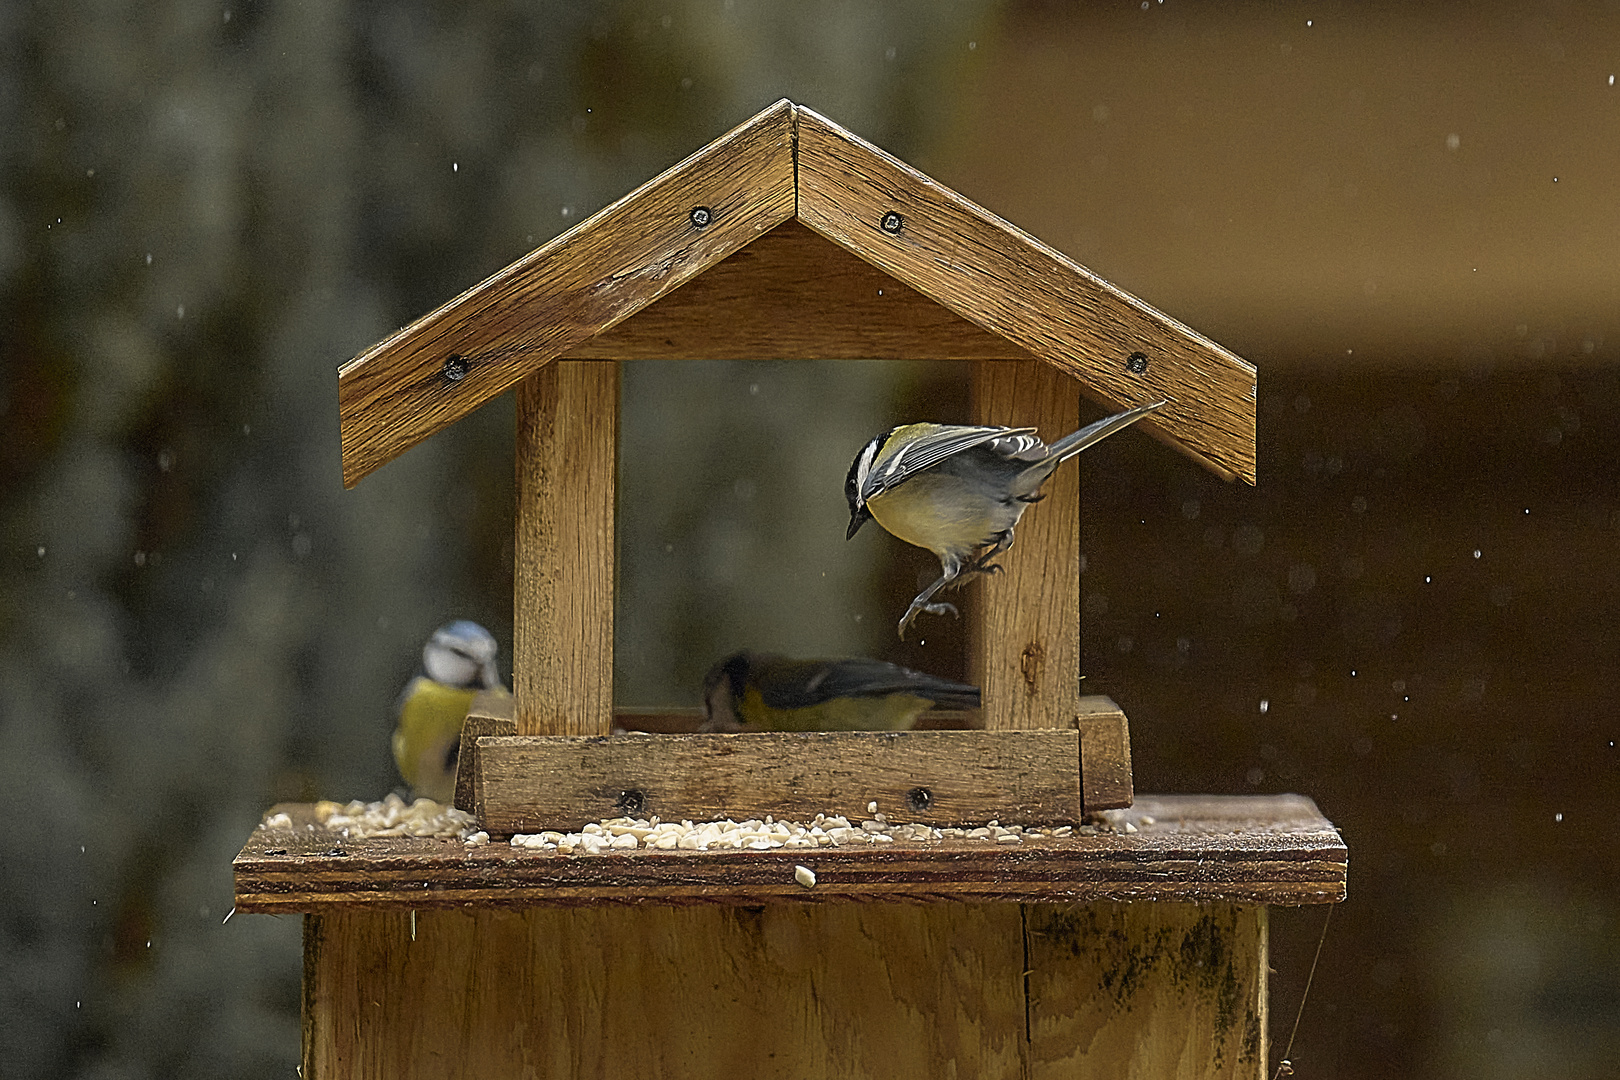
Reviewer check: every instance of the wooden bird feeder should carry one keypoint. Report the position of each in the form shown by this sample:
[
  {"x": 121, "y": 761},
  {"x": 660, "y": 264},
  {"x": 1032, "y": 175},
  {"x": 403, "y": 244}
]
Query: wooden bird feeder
[{"x": 1135, "y": 950}]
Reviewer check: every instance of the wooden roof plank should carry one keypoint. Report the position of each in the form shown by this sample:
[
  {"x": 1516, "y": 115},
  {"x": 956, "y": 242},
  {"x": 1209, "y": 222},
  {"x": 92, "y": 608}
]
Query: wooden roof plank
[
  {"x": 795, "y": 295},
  {"x": 1001, "y": 278},
  {"x": 597, "y": 274}
]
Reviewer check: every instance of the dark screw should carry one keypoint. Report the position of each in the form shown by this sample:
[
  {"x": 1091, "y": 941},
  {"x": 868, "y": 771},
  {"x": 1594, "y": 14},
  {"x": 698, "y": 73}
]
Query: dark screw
[
  {"x": 337, "y": 851},
  {"x": 455, "y": 368},
  {"x": 701, "y": 216},
  {"x": 892, "y": 223},
  {"x": 919, "y": 798},
  {"x": 276, "y": 851},
  {"x": 1136, "y": 363},
  {"x": 632, "y": 802}
]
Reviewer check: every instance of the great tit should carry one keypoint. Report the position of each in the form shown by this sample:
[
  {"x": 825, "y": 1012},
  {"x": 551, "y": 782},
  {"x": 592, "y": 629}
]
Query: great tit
[
  {"x": 764, "y": 692},
  {"x": 958, "y": 491},
  {"x": 458, "y": 661}
]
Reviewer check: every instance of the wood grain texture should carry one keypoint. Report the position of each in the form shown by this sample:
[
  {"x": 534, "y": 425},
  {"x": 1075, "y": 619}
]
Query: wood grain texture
[
  {"x": 1105, "y": 754},
  {"x": 600, "y": 272},
  {"x": 1024, "y": 625},
  {"x": 489, "y": 714},
  {"x": 794, "y": 295},
  {"x": 927, "y": 777},
  {"x": 879, "y": 991},
  {"x": 1148, "y": 991},
  {"x": 1001, "y": 278},
  {"x": 985, "y": 990},
  {"x": 562, "y": 618},
  {"x": 1233, "y": 849}
]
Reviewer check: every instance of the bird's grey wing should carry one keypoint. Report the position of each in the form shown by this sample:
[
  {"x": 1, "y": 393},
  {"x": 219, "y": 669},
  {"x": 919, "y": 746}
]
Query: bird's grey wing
[
  {"x": 812, "y": 682},
  {"x": 1019, "y": 444},
  {"x": 931, "y": 449}
]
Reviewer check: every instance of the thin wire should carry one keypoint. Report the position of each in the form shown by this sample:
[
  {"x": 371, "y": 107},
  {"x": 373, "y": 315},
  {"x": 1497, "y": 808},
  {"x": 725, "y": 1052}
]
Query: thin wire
[{"x": 1288, "y": 1053}]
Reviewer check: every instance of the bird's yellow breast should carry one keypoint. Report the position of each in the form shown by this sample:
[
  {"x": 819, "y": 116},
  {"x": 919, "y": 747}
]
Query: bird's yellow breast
[
  {"x": 430, "y": 720},
  {"x": 937, "y": 511}
]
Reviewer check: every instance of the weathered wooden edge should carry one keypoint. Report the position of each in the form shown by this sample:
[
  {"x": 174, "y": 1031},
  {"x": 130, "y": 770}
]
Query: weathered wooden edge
[
  {"x": 996, "y": 275},
  {"x": 1105, "y": 754},
  {"x": 490, "y": 714},
  {"x": 529, "y": 783},
  {"x": 602, "y": 271},
  {"x": 1238, "y": 849}
]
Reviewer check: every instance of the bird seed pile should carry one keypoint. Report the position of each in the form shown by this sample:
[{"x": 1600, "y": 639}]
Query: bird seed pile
[
  {"x": 392, "y": 816},
  {"x": 626, "y": 834}
]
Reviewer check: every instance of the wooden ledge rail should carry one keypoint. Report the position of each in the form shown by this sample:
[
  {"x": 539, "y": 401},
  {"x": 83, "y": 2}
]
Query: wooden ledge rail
[
  {"x": 936, "y": 777},
  {"x": 1199, "y": 848}
]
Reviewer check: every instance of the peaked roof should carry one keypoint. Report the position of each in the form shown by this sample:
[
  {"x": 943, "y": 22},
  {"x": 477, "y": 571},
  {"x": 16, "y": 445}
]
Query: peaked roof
[{"x": 789, "y": 162}]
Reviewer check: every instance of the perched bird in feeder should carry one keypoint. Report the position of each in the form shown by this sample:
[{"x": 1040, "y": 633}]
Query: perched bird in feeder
[
  {"x": 764, "y": 692},
  {"x": 958, "y": 491},
  {"x": 458, "y": 661}
]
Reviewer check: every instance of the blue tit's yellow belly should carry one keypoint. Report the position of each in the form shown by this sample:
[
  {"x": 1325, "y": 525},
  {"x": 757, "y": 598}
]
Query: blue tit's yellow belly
[
  {"x": 430, "y": 720},
  {"x": 892, "y": 712}
]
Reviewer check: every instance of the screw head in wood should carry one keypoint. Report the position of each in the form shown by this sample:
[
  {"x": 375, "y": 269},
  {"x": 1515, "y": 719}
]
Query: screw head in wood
[
  {"x": 892, "y": 223},
  {"x": 455, "y": 368},
  {"x": 1136, "y": 363},
  {"x": 919, "y": 798},
  {"x": 632, "y": 802},
  {"x": 701, "y": 216}
]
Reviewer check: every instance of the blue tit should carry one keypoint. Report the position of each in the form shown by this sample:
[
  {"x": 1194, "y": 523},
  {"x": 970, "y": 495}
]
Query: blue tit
[
  {"x": 958, "y": 491},
  {"x": 458, "y": 661},
  {"x": 764, "y": 692}
]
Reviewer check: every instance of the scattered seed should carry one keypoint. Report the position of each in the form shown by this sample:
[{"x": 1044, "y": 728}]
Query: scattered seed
[{"x": 804, "y": 876}]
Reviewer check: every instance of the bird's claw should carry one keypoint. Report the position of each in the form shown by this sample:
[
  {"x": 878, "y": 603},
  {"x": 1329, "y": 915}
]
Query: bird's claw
[{"x": 917, "y": 608}]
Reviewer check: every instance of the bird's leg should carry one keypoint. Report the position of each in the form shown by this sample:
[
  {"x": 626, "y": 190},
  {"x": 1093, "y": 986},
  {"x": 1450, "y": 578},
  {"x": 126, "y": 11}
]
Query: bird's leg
[
  {"x": 921, "y": 603},
  {"x": 983, "y": 565}
]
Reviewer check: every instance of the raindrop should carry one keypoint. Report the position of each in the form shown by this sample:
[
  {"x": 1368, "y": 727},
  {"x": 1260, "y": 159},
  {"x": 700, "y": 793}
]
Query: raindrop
[
  {"x": 455, "y": 166},
  {"x": 753, "y": 388},
  {"x": 41, "y": 551},
  {"x": 180, "y": 311},
  {"x": 148, "y": 258},
  {"x": 1427, "y": 579},
  {"x": 1453, "y": 141},
  {"x": 1265, "y": 705},
  {"x": 1476, "y": 553},
  {"x": 1558, "y": 817},
  {"x": 974, "y": 45}
]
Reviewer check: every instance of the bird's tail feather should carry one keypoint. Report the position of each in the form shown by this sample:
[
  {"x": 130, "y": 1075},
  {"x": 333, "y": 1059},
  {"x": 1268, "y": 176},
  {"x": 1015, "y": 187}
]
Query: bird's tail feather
[{"x": 1070, "y": 445}]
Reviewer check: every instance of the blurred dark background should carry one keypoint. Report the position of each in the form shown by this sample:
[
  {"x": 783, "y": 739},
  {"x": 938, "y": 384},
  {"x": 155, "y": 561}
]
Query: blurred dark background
[{"x": 1408, "y": 216}]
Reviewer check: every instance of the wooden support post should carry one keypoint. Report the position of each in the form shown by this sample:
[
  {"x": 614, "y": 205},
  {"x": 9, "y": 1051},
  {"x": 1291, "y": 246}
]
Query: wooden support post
[
  {"x": 562, "y": 625},
  {"x": 1025, "y": 631}
]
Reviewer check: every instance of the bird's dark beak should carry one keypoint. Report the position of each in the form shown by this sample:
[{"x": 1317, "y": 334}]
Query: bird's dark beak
[{"x": 856, "y": 520}]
